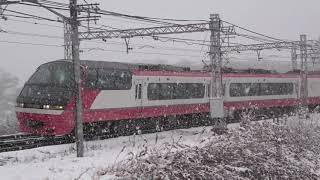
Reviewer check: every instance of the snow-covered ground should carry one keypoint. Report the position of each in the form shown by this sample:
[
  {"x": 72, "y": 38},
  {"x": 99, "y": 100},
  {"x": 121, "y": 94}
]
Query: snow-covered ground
[{"x": 60, "y": 162}]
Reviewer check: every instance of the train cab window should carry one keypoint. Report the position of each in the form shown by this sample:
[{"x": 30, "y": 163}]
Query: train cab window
[
  {"x": 57, "y": 74},
  {"x": 109, "y": 79}
]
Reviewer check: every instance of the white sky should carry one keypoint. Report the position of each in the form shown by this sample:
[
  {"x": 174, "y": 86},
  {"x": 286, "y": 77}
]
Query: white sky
[{"x": 285, "y": 19}]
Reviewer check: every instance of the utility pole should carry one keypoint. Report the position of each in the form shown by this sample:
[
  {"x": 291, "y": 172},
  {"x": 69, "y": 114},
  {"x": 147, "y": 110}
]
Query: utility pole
[
  {"x": 77, "y": 74},
  {"x": 67, "y": 40},
  {"x": 216, "y": 101},
  {"x": 304, "y": 75},
  {"x": 294, "y": 58}
]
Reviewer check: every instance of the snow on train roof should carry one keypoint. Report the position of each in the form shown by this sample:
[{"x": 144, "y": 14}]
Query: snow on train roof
[
  {"x": 129, "y": 66},
  {"x": 170, "y": 70}
]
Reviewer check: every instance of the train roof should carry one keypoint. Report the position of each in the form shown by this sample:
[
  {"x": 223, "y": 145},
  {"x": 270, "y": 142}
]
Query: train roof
[
  {"x": 154, "y": 69},
  {"x": 128, "y": 66}
]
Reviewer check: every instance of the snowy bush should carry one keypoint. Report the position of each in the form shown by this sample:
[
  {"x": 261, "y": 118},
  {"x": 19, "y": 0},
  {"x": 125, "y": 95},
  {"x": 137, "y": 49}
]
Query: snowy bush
[
  {"x": 258, "y": 151},
  {"x": 8, "y": 93}
]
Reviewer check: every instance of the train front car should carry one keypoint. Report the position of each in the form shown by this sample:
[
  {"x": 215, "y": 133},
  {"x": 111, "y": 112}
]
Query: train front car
[{"x": 45, "y": 104}]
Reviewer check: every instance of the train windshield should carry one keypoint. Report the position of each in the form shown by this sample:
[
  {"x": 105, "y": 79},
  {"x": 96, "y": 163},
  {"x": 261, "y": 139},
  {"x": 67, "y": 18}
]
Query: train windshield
[
  {"x": 51, "y": 84},
  {"x": 53, "y": 74}
]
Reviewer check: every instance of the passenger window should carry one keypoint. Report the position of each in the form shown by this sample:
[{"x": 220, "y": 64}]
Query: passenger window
[
  {"x": 260, "y": 89},
  {"x": 165, "y": 91},
  {"x": 153, "y": 91},
  {"x": 109, "y": 79}
]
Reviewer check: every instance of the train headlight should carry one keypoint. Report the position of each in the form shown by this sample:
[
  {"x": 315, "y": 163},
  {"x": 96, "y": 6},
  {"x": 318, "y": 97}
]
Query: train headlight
[
  {"x": 53, "y": 107},
  {"x": 21, "y": 105},
  {"x": 46, "y": 106},
  {"x": 57, "y": 107}
]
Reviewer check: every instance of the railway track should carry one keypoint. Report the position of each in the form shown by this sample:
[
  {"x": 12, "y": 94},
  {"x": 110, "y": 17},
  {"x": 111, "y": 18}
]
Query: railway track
[
  {"x": 19, "y": 142},
  {"x": 16, "y": 142}
]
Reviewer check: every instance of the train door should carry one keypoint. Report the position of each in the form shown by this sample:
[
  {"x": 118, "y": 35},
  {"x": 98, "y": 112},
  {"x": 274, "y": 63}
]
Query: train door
[{"x": 138, "y": 94}]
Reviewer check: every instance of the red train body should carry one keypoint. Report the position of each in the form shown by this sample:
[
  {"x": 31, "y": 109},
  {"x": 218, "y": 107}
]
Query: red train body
[{"x": 121, "y": 92}]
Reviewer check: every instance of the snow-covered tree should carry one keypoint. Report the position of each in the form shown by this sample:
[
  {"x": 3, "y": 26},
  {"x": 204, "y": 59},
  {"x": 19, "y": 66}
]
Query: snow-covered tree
[{"x": 8, "y": 93}]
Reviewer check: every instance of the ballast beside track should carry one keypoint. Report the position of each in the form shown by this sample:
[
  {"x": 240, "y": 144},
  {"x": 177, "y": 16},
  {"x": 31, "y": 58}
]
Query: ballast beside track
[
  {"x": 17, "y": 142},
  {"x": 20, "y": 142}
]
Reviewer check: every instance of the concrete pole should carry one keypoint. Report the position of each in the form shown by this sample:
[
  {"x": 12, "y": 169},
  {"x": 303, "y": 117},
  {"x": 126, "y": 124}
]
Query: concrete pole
[
  {"x": 216, "y": 101},
  {"x": 77, "y": 77},
  {"x": 304, "y": 75}
]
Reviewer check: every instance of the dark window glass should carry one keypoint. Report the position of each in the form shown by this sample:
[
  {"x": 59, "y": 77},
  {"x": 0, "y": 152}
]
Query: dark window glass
[
  {"x": 45, "y": 95},
  {"x": 165, "y": 91},
  {"x": 153, "y": 91},
  {"x": 223, "y": 89},
  {"x": 260, "y": 89},
  {"x": 235, "y": 89},
  {"x": 109, "y": 79},
  {"x": 138, "y": 91},
  {"x": 276, "y": 89},
  {"x": 182, "y": 91},
  {"x": 196, "y": 90},
  {"x": 57, "y": 74},
  {"x": 91, "y": 78}
]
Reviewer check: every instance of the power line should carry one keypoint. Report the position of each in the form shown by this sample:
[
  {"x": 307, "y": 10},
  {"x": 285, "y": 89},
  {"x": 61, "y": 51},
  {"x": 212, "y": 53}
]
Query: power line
[
  {"x": 141, "y": 46},
  {"x": 255, "y": 38},
  {"x": 34, "y": 23},
  {"x": 156, "y": 20},
  {"x": 33, "y": 44},
  {"x": 135, "y": 52},
  {"x": 144, "y": 45},
  {"x": 31, "y": 34},
  {"x": 25, "y": 15},
  {"x": 126, "y": 20},
  {"x": 138, "y": 18},
  {"x": 37, "y": 5},
  {"x": 276, "y": 39}
]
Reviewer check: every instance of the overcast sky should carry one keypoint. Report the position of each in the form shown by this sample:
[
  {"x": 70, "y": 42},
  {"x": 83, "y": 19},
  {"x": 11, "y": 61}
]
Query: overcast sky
[{"x": 285, "y": 19}]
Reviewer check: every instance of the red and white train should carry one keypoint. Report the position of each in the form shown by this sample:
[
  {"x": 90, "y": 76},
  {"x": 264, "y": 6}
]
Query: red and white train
[{"x": 119, "y": 95}]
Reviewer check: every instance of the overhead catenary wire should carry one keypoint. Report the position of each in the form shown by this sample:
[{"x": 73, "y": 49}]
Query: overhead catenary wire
[
  {"x": 37, "y": 5},
  {"x": 62, "y": 6},
  {"x": 260, "y": 34},
  {"x": 30, "y": 34},
  {"x": 34, "y": 23},
  {"x": 29, "y": 43},
  {"x": 135, "y": 52},
  {"x": 146, "y": 46},
  {"x": 26, "y": 15},
  {"x": 259, "y": 38},
  {"x": 138, "y": 45}
]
